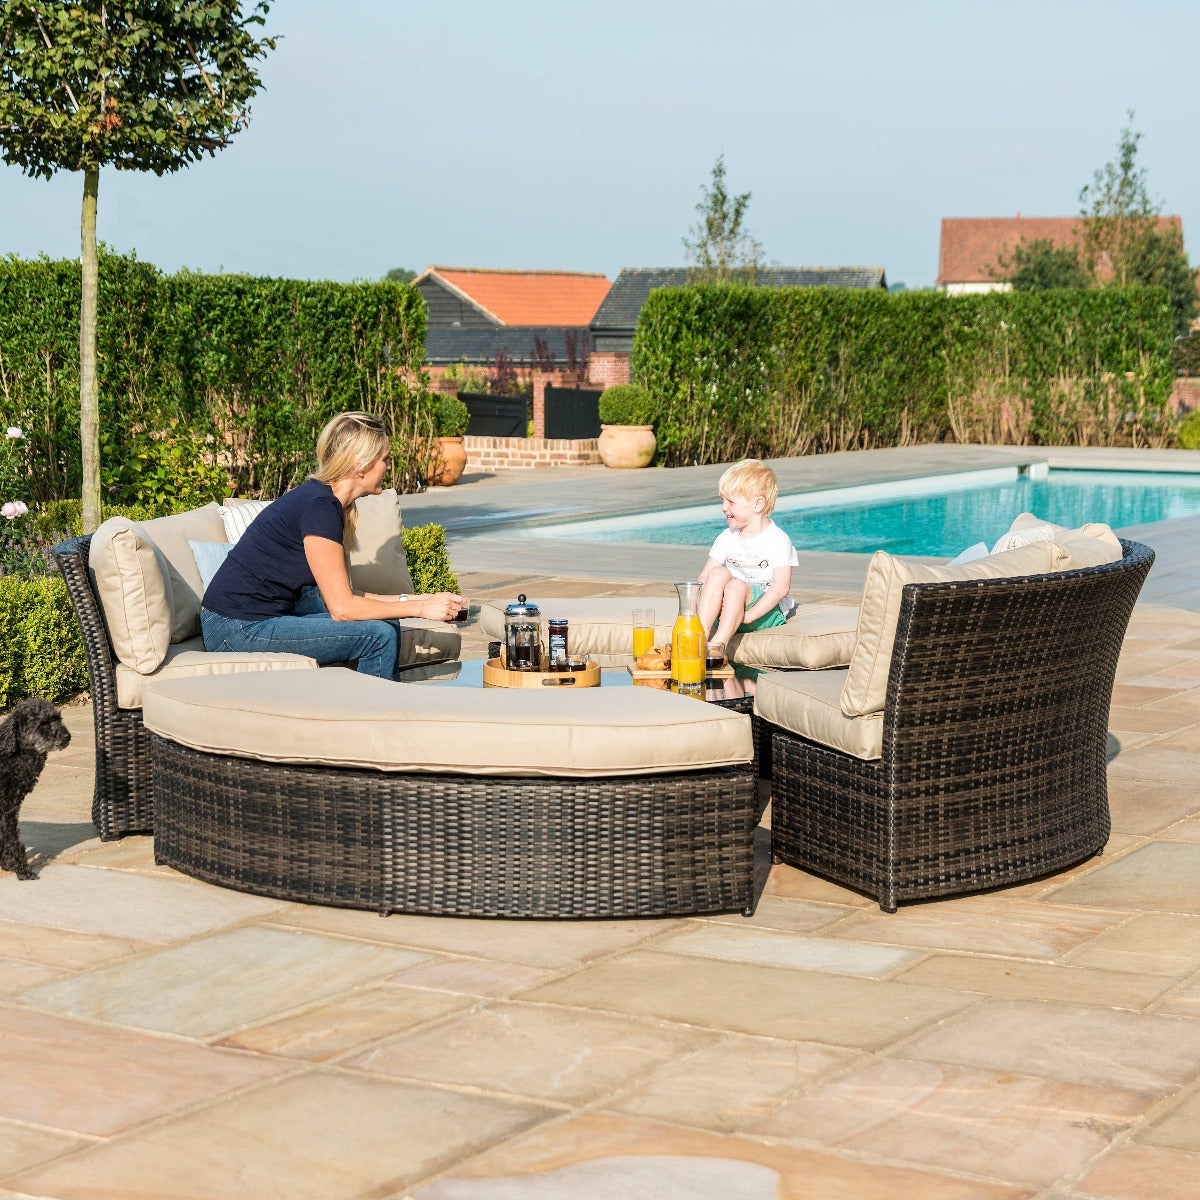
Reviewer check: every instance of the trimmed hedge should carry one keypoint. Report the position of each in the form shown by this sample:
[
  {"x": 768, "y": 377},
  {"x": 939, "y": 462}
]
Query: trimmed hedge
[
  {"x": 41, "y": 649},
  {"x": 210, "y": 385},
  {"x": 772, "y": 372}
]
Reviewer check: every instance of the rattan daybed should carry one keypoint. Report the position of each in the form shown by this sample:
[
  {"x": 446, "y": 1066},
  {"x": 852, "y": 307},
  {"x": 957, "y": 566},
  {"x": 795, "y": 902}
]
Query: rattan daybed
[
  {"x": 987, "y": 763},
  {"x": 455, "y": 801}
]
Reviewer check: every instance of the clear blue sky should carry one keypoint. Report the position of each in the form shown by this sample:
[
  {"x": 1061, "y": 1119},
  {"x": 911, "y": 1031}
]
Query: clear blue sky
[{"x": 578, "y": 136}]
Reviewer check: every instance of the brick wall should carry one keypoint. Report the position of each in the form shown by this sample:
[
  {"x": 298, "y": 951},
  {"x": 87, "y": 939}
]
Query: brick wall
[
  {"x": 506, "y": 454},
  {"x": 606, "y": 369},
  {"x": 1186, "y": 394}
]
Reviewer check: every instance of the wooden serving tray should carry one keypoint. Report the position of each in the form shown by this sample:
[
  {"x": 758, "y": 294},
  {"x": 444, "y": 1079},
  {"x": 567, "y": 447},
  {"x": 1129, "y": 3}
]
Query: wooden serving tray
[
  {"x": 725, "y": 672},
  {"x": 495, "y": 674}
]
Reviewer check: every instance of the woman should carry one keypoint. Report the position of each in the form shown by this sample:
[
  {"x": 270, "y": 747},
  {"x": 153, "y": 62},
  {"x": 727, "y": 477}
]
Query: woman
[{"x": 263, "y": 596}]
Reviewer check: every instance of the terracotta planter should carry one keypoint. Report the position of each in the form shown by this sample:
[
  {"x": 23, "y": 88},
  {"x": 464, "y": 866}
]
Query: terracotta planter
[
  {"x": 447, "y": 463},
  {"x": 626, "y": 446}
]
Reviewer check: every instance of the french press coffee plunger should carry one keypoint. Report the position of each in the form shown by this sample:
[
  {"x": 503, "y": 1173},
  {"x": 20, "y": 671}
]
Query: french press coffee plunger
[{"x": 522, "y": 636}]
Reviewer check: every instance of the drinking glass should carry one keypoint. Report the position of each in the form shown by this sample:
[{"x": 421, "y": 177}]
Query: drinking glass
[{"x": 643, "y": 630}]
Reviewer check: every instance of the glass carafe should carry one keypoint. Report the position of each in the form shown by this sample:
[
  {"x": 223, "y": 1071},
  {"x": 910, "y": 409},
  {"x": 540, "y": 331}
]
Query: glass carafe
[{"x": 687, "y": 638}]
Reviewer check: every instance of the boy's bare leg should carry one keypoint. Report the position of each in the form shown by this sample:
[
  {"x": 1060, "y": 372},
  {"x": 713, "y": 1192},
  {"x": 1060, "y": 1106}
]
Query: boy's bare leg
[
  {"x": 733, "y": 611},
  {"x": 710, "y": 596}
]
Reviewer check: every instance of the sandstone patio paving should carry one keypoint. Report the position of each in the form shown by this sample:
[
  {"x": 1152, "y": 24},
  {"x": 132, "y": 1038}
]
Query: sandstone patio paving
[
  {"x": 1012, "y": 1127},
  {"x": 212, "y": 985},
  {"x": 602, "y": 1157},
  {"x": 319, "y": 1136},
  {"x": 1070, "y": 1042},
  {"x": 657, "y": 1055},
  {"x": 746, "y": 998}
]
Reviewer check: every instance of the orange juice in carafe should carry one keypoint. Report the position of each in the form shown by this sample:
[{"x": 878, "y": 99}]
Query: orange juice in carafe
[{"x": 687, "y": 638}]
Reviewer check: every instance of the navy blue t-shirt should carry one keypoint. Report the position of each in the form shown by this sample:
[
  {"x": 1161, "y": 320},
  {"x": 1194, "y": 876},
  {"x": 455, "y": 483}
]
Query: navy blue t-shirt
[{"x": 263, "y": 574}]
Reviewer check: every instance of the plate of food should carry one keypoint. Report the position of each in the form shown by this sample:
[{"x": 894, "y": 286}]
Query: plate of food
[{"x": 656, "y": 664}]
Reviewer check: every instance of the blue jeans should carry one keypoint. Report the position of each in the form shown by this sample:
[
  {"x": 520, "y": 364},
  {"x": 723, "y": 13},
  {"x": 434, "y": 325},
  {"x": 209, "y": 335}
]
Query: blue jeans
[{"x": 311, "y": 631}]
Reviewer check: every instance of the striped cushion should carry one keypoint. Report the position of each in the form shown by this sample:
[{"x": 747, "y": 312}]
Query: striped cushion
[{"x": 237, "y": 517}]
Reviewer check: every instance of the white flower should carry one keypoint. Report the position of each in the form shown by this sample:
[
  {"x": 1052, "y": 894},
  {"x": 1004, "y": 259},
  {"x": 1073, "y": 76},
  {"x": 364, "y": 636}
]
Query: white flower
[
  {"x": 14, "y": 431},
  {"x": 13, "y": 509}
]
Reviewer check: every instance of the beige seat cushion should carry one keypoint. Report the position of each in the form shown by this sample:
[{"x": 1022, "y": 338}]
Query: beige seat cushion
[
  {"x": 866, "y": 682},
  {"x": 809, "y": 704},
  {"x": 188, "y": 659},
  {"x": 344, "y": 719},
  {"x": 816, "y": 636},
  {"x": 129, "y": 576}
]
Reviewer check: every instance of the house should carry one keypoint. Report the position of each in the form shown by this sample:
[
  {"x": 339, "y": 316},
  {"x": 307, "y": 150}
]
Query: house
[
  {"x": 472, "y": 298},
  {"x": 970, "y": 245},
  {"x": 613, "y": 325}
]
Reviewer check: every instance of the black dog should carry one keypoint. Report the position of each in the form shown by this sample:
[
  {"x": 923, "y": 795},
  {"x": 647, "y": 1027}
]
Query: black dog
[{"x": 31, "y": 731}]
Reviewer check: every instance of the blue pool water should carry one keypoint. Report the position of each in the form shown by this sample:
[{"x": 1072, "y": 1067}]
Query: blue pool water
[{"x": 939, "y": 522}]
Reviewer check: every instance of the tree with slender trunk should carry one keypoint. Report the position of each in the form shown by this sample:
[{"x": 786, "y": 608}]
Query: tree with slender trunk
[
  {"x": 720, "y": 249},
  {"x": 139, "y": 85}
]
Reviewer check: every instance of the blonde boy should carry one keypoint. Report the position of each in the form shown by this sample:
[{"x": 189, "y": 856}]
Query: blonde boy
[{"x": 745, "y": 582}]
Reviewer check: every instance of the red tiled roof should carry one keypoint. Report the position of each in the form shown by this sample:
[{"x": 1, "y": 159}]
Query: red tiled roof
[
  {"x": 971, "y": 244},
  {"x": 528, "y": 297}
]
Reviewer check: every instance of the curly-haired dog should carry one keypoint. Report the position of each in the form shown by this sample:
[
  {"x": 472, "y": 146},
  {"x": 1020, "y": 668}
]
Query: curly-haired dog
[{"x": 29, "y": 733}]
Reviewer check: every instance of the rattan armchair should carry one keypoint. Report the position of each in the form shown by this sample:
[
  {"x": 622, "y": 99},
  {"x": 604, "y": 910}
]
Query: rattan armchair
[{"x": 994, "y": 764}]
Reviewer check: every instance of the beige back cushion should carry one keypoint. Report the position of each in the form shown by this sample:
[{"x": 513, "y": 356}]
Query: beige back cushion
[
  {"x": 1027, "y": 528},
  {"x": 340, "y": 718},
  {"x": 866, "y": 683},
  {"x": 129, "y": 576},
  {"x": 377, "y": 563},
  {"x": 171, "y": 535}
]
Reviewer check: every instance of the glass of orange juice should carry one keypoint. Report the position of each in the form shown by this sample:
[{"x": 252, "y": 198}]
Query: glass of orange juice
[{"x": 643, "y": 630}]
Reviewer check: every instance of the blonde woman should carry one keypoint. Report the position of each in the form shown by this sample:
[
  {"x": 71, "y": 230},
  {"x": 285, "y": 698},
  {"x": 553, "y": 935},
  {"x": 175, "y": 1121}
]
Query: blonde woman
[{"x": 285, "y": 585}]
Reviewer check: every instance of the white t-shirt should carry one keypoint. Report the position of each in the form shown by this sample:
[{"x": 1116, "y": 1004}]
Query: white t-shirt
[{"x": 754, "y": 559}]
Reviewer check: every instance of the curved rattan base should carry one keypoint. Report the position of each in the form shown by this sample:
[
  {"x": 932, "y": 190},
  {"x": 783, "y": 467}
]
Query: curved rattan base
[{"x": 459, "y": 845}]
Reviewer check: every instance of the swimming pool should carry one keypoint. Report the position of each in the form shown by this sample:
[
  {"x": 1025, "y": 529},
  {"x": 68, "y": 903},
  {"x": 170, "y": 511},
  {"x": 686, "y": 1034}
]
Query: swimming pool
[{"x": 935, "y": 516}]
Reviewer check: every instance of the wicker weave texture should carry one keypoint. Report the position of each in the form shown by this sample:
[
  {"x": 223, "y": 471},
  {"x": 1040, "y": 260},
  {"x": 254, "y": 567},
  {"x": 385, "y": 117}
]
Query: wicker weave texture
[
  {"x": 122, "y": 801},
  {"x": 994, "y": 766},
  {"x": 456, "y": 845}
]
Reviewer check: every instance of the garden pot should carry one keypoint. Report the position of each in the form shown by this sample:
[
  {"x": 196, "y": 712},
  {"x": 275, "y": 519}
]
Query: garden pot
[
  {"x": 626, "y": 446},
  {"x": 447, "y": 463}
]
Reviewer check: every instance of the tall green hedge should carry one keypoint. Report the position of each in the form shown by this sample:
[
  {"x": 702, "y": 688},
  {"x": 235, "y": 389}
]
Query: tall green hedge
[
  {"x": 783, "y": 371},
  {"x": 209, "y": 384},
  {"x": 41, "y": 648}
]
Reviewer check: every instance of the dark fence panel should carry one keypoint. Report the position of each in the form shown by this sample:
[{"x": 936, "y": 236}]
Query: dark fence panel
[
  {"x": 495, "y": 416},
  {"x": 572, "y": 412}
]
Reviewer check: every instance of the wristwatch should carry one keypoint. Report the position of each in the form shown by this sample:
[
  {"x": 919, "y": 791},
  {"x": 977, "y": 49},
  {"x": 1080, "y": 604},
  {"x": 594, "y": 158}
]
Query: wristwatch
[{"x": 400, "y": 599}]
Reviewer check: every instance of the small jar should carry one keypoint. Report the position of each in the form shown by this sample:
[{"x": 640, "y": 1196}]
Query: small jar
[{"x": 556, "y": 643}]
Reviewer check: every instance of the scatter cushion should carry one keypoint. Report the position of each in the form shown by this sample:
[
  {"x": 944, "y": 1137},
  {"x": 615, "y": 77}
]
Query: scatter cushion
[
  {"x": 970, "y": 554},
  {"x": 129, "y": 575},
  {"x": 209, "y": 556},
  {"x": 377, "y": 562},
  {"x": 238, "y": 517},
  {"x": 866, "y": 682},
  {"x": 1027, "y": 528},
  {"x": 188, "y": 659},
  {"x": 171, "y": 535},
  {"x": 808, "y": 703},
  {"x": 817, "y": 636},
  {"x": 344, "y": 719}
]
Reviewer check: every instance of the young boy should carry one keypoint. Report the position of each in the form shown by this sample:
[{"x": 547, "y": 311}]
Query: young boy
[{"x": 746, "y": 579}]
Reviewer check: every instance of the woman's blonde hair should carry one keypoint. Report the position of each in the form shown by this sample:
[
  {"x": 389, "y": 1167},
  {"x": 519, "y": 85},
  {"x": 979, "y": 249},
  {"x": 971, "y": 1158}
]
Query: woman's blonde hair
[
  {"x": 751, "y": 478},
  {"x": 350, "y": 442}
]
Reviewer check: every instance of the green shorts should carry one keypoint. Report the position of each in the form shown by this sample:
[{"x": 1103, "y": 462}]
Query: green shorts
[{"x": 769, "y": 619}]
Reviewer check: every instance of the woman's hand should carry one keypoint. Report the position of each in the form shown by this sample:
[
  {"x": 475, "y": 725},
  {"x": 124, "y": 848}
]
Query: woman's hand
[{"x": 439, "y": 606}]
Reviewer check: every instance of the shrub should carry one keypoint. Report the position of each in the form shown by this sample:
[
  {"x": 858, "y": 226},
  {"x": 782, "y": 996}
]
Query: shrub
[
  {"x": 626, "y": 404},
  {"x": 451, "y": 416},
  {"x": 773, "y": 372},
  {"x": 1188, "y": 435},
  {"x": 1185, "y": 354},
  {"x": 41, "y": 650},
  {"x": 428, "y": 559}
]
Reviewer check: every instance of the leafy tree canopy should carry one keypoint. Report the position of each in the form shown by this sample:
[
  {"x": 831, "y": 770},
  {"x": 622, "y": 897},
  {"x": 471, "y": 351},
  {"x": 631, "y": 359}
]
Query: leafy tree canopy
[
  {"x": 720, "y": 248},
  {"x": 1039, "y": 264},
  {"x": 399, "y": 275},
  {"x": 140, "y": 85}
]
